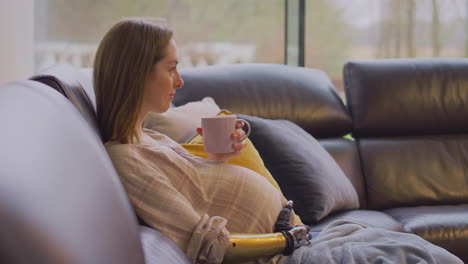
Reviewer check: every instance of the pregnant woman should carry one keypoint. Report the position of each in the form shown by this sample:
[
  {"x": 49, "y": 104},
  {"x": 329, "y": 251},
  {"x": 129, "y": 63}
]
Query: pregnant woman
[{"x": 208, "y": 207}]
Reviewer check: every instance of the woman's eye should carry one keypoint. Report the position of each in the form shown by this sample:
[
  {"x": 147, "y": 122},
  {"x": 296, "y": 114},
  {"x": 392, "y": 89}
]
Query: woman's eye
[{"x": 172, "y": 69}]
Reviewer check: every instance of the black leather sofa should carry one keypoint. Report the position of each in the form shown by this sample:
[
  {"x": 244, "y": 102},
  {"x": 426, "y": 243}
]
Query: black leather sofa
[{"x": 407, "y": 161}]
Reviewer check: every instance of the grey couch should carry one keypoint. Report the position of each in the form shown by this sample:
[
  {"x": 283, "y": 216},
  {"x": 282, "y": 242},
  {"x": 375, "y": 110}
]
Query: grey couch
[
  {"x": 407, "y": 161},
  {"x": 61, "y": 200}
]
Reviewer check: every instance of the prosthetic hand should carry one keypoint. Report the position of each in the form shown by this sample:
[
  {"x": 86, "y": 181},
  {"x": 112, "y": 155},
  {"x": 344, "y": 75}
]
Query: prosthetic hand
[
  {"x": 286, "y": 239},
  {"x": 282, "y": 223},
  {"x": 295, "y": 236}
]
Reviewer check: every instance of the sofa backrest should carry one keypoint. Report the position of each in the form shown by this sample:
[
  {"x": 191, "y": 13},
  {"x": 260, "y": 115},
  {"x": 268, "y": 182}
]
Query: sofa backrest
[
  {"x": 345, "y": 153},
  {"x": 409, "y": 119},
  {"x": 254, "y": 89},
  {"x": 76, "y": 85},
  {"x": 304, "y": 96},
  {"x": 60, "y": 198}
]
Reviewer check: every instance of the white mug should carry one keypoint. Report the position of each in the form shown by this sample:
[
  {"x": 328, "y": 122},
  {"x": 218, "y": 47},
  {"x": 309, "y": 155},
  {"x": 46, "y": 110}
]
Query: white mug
[{"x": 217, "y": 132}]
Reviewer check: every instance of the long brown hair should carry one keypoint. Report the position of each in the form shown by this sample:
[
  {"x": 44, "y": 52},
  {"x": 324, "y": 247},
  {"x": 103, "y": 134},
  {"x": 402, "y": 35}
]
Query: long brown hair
[{"x": 125, "y": 57}]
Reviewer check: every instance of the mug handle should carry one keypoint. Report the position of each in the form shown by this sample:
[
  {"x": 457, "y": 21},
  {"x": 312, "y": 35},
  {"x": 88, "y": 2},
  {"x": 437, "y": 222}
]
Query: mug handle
[{"x": 249, "y": 129}]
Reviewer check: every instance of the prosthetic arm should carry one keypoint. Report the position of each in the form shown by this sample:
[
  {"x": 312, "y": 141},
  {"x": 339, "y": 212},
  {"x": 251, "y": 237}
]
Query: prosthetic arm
[{"x": 286, "y": 239}]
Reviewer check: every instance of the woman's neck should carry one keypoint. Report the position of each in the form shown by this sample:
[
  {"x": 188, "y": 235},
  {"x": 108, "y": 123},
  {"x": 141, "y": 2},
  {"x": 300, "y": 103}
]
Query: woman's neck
[{"x": 139, "y": 123}]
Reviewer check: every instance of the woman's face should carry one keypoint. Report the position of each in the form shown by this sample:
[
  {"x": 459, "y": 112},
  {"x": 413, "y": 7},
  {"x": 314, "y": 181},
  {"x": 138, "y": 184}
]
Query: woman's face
[{"x": 162, "y": 82}]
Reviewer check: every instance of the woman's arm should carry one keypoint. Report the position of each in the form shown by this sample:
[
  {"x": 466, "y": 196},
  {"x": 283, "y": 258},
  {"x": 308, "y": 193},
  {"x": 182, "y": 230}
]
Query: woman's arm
[
  {"x": 244, "y": 247},
  {"x": 249, "y": 246}
]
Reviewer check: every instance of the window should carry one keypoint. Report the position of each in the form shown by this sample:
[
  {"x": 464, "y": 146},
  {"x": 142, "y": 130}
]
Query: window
[
  {"x": 220, "y": 32},
  {"x": 340, "y": 30},
  {"x": 295, "y": 20},
  {"x": 208, "y": 32}
]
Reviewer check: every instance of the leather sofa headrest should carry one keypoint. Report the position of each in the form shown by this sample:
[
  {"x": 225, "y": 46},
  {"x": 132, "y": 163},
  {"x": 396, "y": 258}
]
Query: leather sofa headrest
[
  {"x": 76, "y": 85},
  {"x": 304, "y": 96},
  {"x": 403, "y": 97}
]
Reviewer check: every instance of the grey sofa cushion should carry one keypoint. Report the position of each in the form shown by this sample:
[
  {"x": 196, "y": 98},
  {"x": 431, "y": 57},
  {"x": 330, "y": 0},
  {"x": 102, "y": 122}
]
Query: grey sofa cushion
[
  {"x": 305, "y": 171},
  {"x": 159, "y": 248},
  {"x": 61, "y": 200}
]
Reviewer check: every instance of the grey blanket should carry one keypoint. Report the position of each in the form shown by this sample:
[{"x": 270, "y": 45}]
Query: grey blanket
[{"x": 349, "y": 242}]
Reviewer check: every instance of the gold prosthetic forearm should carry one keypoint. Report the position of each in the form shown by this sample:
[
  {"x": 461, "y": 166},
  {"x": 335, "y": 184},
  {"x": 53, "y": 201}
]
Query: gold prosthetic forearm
[{"x": 243, "y": 247}]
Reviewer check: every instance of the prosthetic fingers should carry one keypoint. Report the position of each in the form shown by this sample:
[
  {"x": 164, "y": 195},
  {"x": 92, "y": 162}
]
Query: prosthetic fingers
[{"x": 286, "y": 239}]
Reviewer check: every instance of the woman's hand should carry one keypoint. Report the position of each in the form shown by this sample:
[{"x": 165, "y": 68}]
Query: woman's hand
[
  {"x": 295, "y": 238},
  {"x": 237, "y": 146},
  {"x": 284, "y": 218}
]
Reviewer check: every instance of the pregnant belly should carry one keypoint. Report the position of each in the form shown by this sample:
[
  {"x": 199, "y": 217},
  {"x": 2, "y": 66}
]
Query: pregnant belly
[{"x": 245, "y": 198}]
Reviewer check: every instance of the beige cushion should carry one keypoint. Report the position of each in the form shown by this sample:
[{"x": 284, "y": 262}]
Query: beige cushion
[{"x": 180, "y": 123}]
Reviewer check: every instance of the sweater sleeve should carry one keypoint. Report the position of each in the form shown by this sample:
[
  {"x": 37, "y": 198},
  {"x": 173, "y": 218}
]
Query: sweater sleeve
[{"x": 146, "y": 179}]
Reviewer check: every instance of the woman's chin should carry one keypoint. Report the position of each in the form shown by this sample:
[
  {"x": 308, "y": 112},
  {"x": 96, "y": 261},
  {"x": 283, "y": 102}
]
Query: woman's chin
[
  {"x": 164, "y": 109},
  {"x": 161, "y": 108}
]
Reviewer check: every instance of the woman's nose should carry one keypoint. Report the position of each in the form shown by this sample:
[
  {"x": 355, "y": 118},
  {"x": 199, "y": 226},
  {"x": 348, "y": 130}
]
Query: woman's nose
[{"x": 180, "y": 82}]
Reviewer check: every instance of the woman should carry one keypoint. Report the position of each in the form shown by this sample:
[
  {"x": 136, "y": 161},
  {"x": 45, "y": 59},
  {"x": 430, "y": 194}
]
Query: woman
[{"x": 195, "y": 202}]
